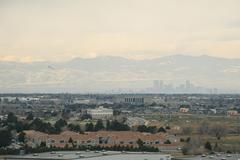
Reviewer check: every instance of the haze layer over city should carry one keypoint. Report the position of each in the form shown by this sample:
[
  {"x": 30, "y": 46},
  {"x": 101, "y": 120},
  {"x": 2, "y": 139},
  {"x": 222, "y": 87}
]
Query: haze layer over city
[{"x": 122, "y": 46}]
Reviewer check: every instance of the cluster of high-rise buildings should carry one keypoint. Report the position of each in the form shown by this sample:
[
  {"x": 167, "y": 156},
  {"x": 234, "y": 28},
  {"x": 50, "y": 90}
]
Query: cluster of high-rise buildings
[{"x": 159, "y": 86}]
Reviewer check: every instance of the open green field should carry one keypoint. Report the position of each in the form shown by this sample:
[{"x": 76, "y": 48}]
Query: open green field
[{"x": 192, "y": 119}]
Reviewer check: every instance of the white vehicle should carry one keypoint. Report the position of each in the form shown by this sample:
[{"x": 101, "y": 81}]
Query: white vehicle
[
  {"x": 81, "y": 156},
  {"x": 104, "y": 153},
  {"x": 60, "y": 155},
  {"x": 77, "y": 153},
  {"x": 203, "y": 155},
  {"x": 229, "y": 155}
]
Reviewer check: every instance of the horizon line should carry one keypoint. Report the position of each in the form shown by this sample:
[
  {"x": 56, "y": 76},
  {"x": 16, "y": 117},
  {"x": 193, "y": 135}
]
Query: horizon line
[{"x": 123, "y": 57}]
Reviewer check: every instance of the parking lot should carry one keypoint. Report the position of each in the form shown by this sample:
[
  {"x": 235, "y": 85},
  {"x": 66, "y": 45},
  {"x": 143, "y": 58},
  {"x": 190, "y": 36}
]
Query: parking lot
[
  {"x": 91, "y": 155},
  {"x": 214, "y": 157}
]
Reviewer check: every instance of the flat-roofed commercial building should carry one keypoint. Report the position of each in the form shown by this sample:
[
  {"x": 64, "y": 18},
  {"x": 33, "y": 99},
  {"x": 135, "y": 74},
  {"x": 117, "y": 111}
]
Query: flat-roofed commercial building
[
  {"x": 135, "y": 121},
  {"x": 100, "y": 113},
  {"x": 134, "y": 99}
]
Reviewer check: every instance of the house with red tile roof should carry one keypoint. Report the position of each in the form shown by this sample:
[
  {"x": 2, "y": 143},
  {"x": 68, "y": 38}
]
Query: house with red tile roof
[{"x": 100, "y": 138}]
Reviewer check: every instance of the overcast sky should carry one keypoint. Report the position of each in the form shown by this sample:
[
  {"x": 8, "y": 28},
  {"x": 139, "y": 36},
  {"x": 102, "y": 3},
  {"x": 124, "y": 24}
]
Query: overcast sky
[{"x": 57, "y": 30}]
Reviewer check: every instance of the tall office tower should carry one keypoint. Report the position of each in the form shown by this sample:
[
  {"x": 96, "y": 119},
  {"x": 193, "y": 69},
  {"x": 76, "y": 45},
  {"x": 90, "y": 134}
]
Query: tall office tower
[
  {"x": 161, "y": 85},
  {"x": 155, "y": 84},
  {"x": 188, "y": 85}
]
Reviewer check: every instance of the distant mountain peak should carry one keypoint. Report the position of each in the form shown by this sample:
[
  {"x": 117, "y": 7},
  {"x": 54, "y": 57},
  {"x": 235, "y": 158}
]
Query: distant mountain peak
[
  {"x": 107, "y": 57},
  {"x": 111, "y": 72}
]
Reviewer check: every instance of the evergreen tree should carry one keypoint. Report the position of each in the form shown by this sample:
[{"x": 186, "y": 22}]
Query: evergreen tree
[
  {"x": 74, "y": 128},
  {"x": 140, "y": 143},
  {"x": 168, "y": 127},
  {"x": 43, "y": 144},
  {"x": 70, "y": 140},
  {"x": 59, "y": 124},
  {"x": 161, "y": 129},
  {"x": 117, "y": 126},
  {"x": 30, "y": 116},
  {"x": 5, "y": 138},
  {"x": 99, "y": 125},
  {"x": 167, "y": 142},
  {"x": 11, "y": 118},
  {"x": 21, "y": 137},
  {"x": 150, "y": 129},
  {"x": 108, "y": 125},
  {"x": 89, "y": 127},
  {"x": 208, "y": 146}
]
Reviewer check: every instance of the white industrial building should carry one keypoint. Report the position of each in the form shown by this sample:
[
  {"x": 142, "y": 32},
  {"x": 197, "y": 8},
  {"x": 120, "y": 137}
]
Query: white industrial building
[
  {"x": 100, "y": 113},
  {"x": 135, "y": 121}
]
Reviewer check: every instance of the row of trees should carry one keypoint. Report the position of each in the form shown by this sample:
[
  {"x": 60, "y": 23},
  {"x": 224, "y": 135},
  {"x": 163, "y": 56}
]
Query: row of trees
[
  {"x": 110, "y": 126},
  {"x": 12, "y": 123},
  {"x": 94, "y": 148},
  {"x": 152, "y": 129},
  {"x": 198, "y": 146},
  {"x": 42, "y": 148},
  {"x": 118, "y": 126},
  {"x": 215, "y": 129}
]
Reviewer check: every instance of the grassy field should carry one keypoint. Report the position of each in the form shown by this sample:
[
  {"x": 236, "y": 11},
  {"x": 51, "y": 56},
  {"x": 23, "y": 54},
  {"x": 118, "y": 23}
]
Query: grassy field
[
  {"x": 184, "y": 119},
  {"x": 230, "y": 141}
]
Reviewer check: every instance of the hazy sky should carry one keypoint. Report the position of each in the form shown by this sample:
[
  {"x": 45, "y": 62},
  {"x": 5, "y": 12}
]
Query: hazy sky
[{"x": 32, "y": 30}]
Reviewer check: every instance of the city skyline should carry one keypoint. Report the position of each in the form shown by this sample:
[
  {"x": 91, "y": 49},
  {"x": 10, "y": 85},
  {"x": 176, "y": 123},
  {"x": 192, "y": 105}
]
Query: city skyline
[
  {"x": 168, "y": 87},
  {"x": 103, "y": 74},
  {"x": 92, "y": 46}
]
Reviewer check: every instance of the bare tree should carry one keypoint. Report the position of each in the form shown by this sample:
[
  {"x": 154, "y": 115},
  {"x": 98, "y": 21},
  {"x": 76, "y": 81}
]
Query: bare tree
[
  {"x": 193, "y": 146},
  {"x": 203, "y": 128},
  {"x": 238, "y": 129},
  {"x": 187, "y": 130},
  {"x": 218, "y": 130}
]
